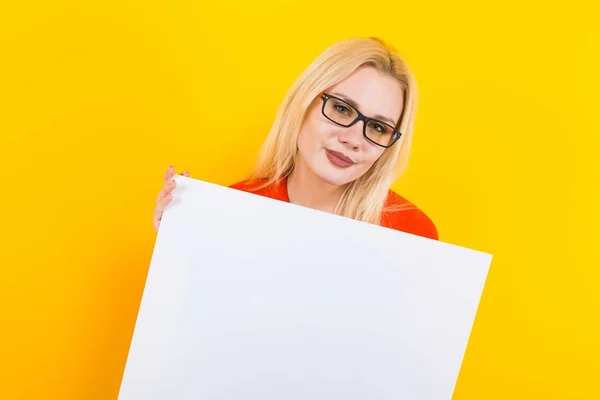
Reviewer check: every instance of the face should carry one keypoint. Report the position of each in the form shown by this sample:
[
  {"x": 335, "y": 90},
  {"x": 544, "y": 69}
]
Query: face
[{"x": 339, "y": 155}]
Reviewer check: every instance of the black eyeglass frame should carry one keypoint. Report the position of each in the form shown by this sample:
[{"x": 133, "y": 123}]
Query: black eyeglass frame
[{"x": 360, "y": 117}]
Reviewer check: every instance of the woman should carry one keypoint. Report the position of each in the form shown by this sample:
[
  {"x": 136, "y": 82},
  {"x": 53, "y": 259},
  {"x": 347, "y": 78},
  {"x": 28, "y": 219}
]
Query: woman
[{"x": 340, "y": 139}]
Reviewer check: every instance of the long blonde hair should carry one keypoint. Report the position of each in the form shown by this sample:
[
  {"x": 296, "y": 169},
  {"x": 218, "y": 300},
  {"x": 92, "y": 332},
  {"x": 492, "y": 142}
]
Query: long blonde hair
[{"x": 364, "y": 198}]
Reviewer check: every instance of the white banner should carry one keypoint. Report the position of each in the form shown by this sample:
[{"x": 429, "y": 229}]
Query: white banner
[{"x": 253, "y": 298}]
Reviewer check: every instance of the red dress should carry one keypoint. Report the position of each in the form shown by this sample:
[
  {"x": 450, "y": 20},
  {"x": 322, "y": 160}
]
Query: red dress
[{"x": 411, "y": 220}]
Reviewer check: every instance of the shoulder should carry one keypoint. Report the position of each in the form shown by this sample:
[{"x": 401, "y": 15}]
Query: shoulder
[
  {"x": 248, "y": 185},
  {"x": 262, "y": 187},
  {"x": 402, "y": 215}
]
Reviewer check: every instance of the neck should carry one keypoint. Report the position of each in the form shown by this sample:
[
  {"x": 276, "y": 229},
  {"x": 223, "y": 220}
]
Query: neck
[{"x": 306, "y": 189}]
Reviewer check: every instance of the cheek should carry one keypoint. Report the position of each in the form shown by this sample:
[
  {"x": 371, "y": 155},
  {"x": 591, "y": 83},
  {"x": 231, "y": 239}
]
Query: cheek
[
  {"x": 371, "y": 156},
  {"x": 312, "y": 135},
  {"x": 306, "y": 142}
]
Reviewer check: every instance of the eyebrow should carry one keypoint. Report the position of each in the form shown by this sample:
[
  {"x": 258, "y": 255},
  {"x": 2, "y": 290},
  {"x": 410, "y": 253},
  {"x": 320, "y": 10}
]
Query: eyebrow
[{"x": 353, "y": 104}]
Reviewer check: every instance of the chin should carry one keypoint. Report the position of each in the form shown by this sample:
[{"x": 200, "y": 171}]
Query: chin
[{"x": 334, "y": 176}]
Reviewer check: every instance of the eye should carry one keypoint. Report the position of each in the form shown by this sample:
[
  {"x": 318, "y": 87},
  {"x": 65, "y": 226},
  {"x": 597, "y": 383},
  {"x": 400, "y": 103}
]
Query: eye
[
  {"x": 341, "y": 109},
  {"x": 378, "y": 127}
]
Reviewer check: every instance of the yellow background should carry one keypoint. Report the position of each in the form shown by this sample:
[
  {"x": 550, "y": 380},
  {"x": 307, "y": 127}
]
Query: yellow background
[{"x": 96, "y": 100}]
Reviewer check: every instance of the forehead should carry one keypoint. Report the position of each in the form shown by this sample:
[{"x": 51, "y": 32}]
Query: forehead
[{"x": 374, "y": 92}]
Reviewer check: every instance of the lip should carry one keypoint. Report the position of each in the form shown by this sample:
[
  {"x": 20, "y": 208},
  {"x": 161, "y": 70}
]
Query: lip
[{"x": 339, "y": 159}]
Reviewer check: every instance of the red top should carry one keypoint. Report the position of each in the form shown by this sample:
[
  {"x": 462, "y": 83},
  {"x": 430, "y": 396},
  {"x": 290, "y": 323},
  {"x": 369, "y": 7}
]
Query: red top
[{"x": 411, "y": 220}]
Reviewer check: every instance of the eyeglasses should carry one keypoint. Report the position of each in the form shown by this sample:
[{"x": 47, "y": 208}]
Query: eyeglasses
[{"x": 340, "y": 112}]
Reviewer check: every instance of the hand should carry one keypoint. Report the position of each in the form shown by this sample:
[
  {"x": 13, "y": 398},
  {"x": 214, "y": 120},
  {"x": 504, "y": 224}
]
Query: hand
[{"x": 165, "y": 196}]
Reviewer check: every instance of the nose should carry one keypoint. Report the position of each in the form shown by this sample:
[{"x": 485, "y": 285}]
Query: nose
[{"x": 352, "y": 136}]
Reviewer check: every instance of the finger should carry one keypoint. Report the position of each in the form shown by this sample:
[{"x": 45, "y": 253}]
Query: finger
[
  {"x": 186, "y": 173},
  {"x": 157, "y": 218},
  {"x": 160, "y": 206},
  {"x": 169, "y": 174},
  {"x": 156, "y": 222},
  {"x": 167, "y": 189},
  {"x": 161, "y": 195}
]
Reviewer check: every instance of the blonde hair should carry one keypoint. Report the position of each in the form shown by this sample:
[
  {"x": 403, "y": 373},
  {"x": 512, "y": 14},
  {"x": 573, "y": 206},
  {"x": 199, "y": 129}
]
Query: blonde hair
[{"x": 364, "y": 198}]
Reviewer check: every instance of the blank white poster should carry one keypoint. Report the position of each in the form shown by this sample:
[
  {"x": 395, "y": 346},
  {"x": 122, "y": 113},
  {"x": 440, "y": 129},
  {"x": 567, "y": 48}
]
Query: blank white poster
[{"x": 253, "y": 298}]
